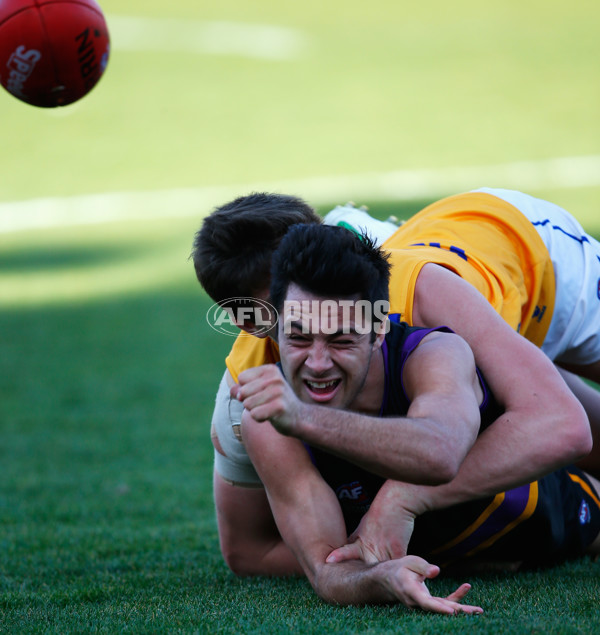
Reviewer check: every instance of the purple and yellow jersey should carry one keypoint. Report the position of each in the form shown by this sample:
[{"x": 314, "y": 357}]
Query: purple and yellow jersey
[
  {"x": 549, "y": 520},
  {"x": 485, "y": 240}
]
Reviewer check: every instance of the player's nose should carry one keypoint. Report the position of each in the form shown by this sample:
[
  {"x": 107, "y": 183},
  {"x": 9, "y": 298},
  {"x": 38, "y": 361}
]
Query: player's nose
[{"x": 318, "y": 360}]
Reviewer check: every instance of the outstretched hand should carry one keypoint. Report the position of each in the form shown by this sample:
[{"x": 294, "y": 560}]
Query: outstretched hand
[{"x": 407, "y": 583}]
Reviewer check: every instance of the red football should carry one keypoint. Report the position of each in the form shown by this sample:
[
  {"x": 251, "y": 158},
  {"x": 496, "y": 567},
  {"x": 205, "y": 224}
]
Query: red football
[{"x": 52, "y": 52}]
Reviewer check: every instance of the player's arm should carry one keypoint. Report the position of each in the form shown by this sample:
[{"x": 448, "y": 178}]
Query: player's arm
[
  {"x": 249, "y": 539},
  {"x": 427, "y": 446},
  {"x": 543, "y": 427},
  {"x": 310, "y": 520},
  {"x": 440, "y": 379}
]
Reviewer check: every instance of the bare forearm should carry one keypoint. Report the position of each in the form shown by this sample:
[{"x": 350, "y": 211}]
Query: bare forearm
[
  {"x": 425, "y": 446},
  {"x": 508, "y": 454},
  {"x": 401, "y": 580},
  {"x": 407, "y": 449},
  {"x": 249, "y": 539},
  {"x": 352, "y": 582},
  {"x": 276, "y": 561}
]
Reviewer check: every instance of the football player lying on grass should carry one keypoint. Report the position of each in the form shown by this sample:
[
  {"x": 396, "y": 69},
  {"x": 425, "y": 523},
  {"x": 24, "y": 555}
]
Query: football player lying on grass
[
  {"x": 480, "y": 263},
  {"x": 416, "y": 395}
]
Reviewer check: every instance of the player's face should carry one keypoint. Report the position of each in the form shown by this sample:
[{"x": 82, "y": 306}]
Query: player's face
[{"x": 326, "y": 348}]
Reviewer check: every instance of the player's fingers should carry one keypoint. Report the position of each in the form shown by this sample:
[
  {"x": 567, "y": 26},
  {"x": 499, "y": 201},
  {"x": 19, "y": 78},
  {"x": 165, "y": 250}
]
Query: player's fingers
[
  {"x": 441, "y": 605},
  {"x": 254, "y": 380},
  {"x": 258, "y": 393},
  {"x": 352, "y": 551},
  {"x": 261, "y": 386},
  {"x": 420, "y": 566},
  {"x": 434, "y": 605},
  {"x": 460, "y": 593},
  {"x": 466, "y": 608}
]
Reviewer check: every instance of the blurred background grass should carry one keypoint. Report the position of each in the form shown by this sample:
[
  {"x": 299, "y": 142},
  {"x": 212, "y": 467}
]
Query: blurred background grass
[
  {"x": 108, "y": 368},
  {"x": 357, "y": 89},
  {"x": 366, "y": 87}
]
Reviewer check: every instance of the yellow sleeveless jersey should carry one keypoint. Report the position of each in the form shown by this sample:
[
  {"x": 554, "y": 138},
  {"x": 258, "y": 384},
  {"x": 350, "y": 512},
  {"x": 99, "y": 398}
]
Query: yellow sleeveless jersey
[{"x": 482, "y": 238}]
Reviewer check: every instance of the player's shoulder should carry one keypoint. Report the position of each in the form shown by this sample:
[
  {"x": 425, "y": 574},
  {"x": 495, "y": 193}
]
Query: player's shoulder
[{"x": 249, "y": 351}]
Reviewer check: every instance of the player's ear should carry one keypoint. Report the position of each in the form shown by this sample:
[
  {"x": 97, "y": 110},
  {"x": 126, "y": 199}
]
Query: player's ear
[{"x": 381, "y": 328}]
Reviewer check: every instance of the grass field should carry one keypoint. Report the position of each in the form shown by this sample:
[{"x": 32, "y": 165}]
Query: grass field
[{"x": 107, "y": 367}]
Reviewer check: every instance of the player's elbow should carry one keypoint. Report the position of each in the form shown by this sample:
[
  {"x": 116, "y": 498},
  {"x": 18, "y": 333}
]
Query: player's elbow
[
  {"x": 578, "y": 436},
  {"x": 443, "y": 470},
  {"x": 243, "y": 561},
  {"x": 445, "y": 458},
  {"x": 436, "y": 468},
  {"x": 241, "y": 564},
  {"x": 569, "y": 438},
  {"x": 261, "y": 558}
]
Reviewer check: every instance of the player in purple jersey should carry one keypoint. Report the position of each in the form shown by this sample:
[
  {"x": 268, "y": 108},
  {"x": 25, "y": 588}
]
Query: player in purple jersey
[
  {"x": 418, "y": 406},
  {"x": 537, "y": 523},
  {"x": 542, "y": 428}
]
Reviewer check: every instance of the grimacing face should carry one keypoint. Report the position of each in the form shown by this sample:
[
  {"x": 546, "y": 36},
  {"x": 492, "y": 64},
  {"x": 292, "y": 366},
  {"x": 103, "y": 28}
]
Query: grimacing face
[{"x": 324, "y": 347}]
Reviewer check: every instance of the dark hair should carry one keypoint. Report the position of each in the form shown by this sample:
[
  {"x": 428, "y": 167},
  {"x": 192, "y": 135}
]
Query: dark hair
[
  {"x": 331, "y": 262},
  {"x": 232, "y": 250}
]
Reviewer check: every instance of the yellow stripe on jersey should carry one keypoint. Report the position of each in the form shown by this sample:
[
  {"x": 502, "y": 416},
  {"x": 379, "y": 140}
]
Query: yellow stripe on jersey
[
  {"x": 527, "y": 512},
  {"x": 587, "y": 489},
  {"x": 249, "y": 351},
  {"x": 488, "y": 541},
  {"x": 492, "y": 507}
]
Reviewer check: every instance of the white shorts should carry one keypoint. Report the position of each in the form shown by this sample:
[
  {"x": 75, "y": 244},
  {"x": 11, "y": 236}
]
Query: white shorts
[
  {"x": 574, "y": 333},
  {"x": 235, "y": 466}
]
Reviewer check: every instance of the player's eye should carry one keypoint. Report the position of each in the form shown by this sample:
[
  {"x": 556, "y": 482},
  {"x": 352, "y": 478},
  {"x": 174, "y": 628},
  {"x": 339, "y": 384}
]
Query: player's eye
[
  {"x": 343, "y": 341},
  {"x": 296, "y": 338}
]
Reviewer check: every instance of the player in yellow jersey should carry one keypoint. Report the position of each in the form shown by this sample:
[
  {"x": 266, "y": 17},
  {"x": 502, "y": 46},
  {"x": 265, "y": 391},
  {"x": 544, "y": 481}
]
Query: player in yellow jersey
[{"x": 506, "y": 262}]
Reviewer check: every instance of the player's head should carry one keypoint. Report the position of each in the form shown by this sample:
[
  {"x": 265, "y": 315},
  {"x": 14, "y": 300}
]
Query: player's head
[
  {"x": 331, "y": 262},
  {"x": 232, "y": 250},
  {"x": 330, "y": 288}
]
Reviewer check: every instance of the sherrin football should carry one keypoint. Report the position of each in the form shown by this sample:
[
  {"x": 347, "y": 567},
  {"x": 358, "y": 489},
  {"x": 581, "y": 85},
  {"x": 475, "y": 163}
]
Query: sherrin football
[{"x": 52, "y": 52}]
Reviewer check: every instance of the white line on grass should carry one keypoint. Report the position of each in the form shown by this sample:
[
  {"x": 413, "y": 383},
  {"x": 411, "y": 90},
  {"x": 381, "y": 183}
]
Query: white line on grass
[
  {"x": 567, "y": 172},
  {"x": 261, "y": 41}
]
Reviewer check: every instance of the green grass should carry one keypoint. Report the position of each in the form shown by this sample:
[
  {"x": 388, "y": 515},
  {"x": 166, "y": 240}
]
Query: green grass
[
  {"x": 382, "y": 86},
  {"x": 105, "y": 498},
  {"x": 107, "y": 367}
]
